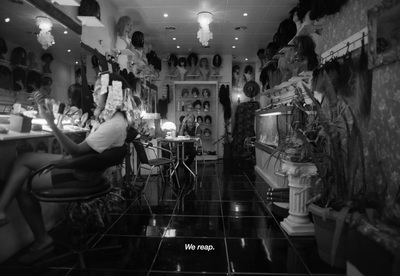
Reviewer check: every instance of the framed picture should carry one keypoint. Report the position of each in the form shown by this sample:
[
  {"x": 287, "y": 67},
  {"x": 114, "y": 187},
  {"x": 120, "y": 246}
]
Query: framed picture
[{"x": 384, "y": 33}]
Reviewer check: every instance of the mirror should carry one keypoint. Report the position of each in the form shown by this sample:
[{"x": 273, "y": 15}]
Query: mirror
[
  {"x": 384, "y": 33},
  {"x": 22, "y": 31}
]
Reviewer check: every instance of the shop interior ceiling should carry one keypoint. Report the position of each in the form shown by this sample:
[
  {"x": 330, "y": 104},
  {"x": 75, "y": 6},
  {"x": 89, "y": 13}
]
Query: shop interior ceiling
[{"x": 261, "y": 23}]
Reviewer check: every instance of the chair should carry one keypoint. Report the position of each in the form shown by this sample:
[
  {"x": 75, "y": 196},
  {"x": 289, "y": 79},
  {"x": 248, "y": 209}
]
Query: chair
[
  {"x": 199, "y": 147},
  {"x": 152, "y": 163},
  {"x": 91, "y": 162}
]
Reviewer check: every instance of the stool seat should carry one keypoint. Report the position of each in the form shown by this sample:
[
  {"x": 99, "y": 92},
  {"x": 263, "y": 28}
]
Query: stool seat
[{"x": 55, "y": 194}]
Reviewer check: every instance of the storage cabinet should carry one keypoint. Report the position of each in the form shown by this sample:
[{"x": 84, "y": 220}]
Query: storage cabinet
[{"x": 199, "y": 98}]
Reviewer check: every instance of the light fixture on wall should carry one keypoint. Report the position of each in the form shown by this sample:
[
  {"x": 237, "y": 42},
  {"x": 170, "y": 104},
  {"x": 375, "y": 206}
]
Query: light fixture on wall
[
  {"x": 204, "y": 34},
  {"x": 45, "y": 37}
]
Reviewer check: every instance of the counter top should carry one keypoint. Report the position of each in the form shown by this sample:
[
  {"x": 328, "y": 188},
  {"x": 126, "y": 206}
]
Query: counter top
[{"x": 13, "y": 135}]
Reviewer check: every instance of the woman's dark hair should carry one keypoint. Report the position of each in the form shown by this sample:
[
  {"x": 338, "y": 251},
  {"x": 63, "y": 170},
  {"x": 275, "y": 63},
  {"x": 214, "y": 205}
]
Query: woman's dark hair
[
  {"x": 47, "y": 56},
  {"x": 75, "y": 94},
  {"x": 34, "y": 78},
  {"x": 192, "y": 56},
  {"x": 138, "y": 39},
  {"x": 18, "y": 56},
  {"x": 208, "y": 117},
  {"x": 272, "y": 49},
  {"x": 181, "y": 118},
  {"x": 206, "y": 103},
  {"x": 89, "y": 8},
  {"x": 182, "y": 60},
  {"x": 173, "y": 60},
  {"x": 217, "y": 61}
]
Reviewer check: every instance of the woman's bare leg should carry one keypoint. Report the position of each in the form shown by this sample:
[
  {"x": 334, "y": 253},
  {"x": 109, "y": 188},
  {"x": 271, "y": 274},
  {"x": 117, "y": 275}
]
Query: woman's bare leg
[{"x": 14, "y": 188}]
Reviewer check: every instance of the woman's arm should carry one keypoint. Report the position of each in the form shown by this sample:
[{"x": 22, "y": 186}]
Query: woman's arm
[{"x": 46, "y": 111}]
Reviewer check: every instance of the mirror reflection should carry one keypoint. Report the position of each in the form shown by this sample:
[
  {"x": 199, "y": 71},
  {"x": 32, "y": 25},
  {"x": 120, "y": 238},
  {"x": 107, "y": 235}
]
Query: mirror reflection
[{"x": 33, "y": 49}]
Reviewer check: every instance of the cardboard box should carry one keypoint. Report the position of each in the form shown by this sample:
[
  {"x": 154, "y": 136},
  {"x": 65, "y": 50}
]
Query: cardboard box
[{"x": 20, "y": 123}]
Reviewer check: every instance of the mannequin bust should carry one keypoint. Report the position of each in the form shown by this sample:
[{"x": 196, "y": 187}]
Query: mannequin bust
[
  {"x": 248, "y": 73},
  {"x": 32, "y": 61},
  {"x": 235, "y": 75},
  {"x": 204, "y": 69},
  {"x": 173, "y": 71},
  {"x": 140, "y": 67},
  {"x": 124, "y": 27},
  {"x": 47, "y": 58},
  {"x": 193, "y": 70},
  {"x": 182, "y": 68},
  {"x": 217, "y": 61}
]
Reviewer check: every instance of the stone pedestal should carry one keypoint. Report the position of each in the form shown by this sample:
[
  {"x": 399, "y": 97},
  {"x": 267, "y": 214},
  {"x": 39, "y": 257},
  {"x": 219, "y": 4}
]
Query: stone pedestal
[{"x": 299, "y": 176}]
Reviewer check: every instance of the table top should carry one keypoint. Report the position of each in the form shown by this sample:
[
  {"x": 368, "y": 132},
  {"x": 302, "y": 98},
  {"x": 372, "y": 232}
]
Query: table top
[
  {"x": 13, "y": 135},
  {"x": 181, "y": 140}
]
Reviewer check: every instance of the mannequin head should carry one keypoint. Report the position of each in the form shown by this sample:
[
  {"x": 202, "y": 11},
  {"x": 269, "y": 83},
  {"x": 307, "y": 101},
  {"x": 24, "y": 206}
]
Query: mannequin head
[
  {"x": 248, "y": 73},
  {"x": 204, "y": 63},
  {"x": 182, "y": 62},
  {"x": 217, "y": 61},
  {"x": 124, "y": 26},
  {"x": 192, "y": 59},
  {"x": 138, "y": 39},
  {"x": 173, "y": 60}
]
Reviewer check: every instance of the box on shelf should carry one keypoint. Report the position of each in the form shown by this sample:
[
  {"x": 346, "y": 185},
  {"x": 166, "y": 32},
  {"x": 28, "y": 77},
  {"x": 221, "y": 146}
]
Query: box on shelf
[{"x": 20, "y": 123}]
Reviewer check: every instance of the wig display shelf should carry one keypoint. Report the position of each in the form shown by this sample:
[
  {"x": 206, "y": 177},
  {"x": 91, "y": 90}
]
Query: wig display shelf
[{"x": 90, "y": 21}]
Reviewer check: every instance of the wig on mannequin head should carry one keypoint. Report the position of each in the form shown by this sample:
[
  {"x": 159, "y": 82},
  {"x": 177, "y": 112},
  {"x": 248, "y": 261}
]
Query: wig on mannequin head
[
  {"x": 204, "y": 61},
  {"x": 192, "y": 57},
  {"x": 138, "y": 39},
  {"x": 33, "y": 81},
  {"x": 89, "y": 8},
  {"x": 217, "y": 61},
  {"x": 18, "y": 56},
  {"x": 122, "y": 22},
  {"x": 305, "y": 49},
  {"x": 182, "y": 62},
  {"x": 173, "y": 60}
]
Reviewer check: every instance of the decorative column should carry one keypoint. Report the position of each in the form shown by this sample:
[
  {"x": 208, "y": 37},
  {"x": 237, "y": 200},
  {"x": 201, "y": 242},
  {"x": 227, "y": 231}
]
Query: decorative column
[{"x": 299, "y": 176}]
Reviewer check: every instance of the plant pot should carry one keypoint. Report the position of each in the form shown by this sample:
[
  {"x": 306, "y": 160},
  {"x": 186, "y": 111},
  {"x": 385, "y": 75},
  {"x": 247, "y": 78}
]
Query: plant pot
[{"x": 324, "y": 227}]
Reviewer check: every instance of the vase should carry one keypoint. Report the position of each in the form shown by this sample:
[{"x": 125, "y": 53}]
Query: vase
[{"x": 324, "y": 227}]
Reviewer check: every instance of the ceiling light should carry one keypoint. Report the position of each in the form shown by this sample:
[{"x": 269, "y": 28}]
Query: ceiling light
[
  {"x": 204, "y": 34},
  {"x": 174, "y": 38},
  {"x": 246, "y": 59},
  {"x": 7, "y": 20},
  {"x": 69, "y": 51},
  {"x": 65, "y": 32},
  {"x": 236, "y": 38},
  {"x": 245, "y": 14},
  {"x": 76, "y": 62},
  {"x": 233, "y": 46},
  {"x": 177, "y": 46},
  {"x": 165, "y": 14},
  {"x": 45, "y": 37}
]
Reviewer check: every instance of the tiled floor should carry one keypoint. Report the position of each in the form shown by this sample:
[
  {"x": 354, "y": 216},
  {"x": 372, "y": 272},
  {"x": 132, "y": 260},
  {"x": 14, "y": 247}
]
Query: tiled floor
[{"x": 220, "y": 227}]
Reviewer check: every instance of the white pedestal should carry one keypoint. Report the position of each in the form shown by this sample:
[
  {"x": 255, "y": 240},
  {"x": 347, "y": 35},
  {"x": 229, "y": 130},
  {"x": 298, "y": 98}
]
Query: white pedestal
[{"x": 299, "y": 175}]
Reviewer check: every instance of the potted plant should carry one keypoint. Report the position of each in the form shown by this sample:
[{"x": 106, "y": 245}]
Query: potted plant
[{"x": 336, "y": 149}]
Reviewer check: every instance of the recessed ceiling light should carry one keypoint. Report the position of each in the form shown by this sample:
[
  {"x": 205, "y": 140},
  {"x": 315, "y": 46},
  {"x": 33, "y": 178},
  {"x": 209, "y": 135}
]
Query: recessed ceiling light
[
  {"x": 7, "y": 20},
  {"x": 68, "y": 50},
  {"x": 65, "y": 32},
  {"x": 177, "y": 46},
  {"x": 245, "y": 14},
  {"x": 234, "y": 47},
  {"x": 165, "y": 14},
  {"x": 76, "y": 62},
  {"x": 174, "y": 38},
  {"x": 236, "y": 38},
  {"x": 246, "y": 59},
  {"x": 53, "y": 42}
]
